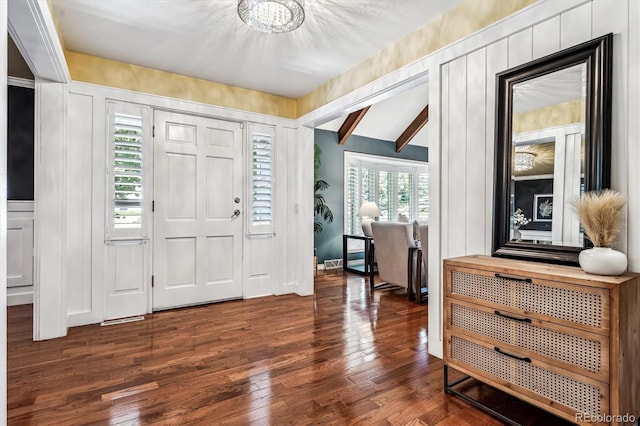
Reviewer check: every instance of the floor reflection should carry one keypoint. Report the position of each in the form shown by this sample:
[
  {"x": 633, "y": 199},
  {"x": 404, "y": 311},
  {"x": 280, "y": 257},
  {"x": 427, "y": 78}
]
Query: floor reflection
[{"x": 344, "y": 355}]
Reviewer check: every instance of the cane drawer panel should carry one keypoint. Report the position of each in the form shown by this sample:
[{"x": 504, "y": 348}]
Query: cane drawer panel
[
  {"x": 586, "y": 306},
  {"x": 578, "y": 353},
  {"x": 558, "y": 343},
  {"x": 574, "y": 394}
]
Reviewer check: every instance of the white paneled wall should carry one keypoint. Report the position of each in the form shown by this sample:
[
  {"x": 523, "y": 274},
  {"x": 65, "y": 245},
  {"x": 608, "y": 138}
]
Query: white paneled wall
[
  {"x": 496, "y": 62},
  {"x": 466, "y": 86},
  {"x": 476, "y": 149},
  {"x": 19, "y": 252},
  {"x": 79, "y": 205},
  {"x": 286, "y": 214}
]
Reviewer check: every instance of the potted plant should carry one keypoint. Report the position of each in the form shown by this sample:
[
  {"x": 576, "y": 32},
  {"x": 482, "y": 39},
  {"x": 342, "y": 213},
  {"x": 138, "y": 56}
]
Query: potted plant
[
  {"x": 320, "y": 208},
  {"x": 601, "y": 213}
]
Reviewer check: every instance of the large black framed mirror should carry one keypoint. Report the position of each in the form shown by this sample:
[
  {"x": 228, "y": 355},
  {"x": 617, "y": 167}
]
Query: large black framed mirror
[{"x": 553, "y": 142}]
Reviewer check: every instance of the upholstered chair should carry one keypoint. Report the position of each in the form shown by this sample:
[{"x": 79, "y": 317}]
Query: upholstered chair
[{"x": 392, "y": 242}]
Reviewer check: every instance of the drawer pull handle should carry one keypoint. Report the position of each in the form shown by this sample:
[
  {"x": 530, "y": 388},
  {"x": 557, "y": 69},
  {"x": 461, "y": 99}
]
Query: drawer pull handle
[
  {"x": 512, "y": 318},
  {"x": 507, "y": 277},
  {"x": 525, "y": 359}
]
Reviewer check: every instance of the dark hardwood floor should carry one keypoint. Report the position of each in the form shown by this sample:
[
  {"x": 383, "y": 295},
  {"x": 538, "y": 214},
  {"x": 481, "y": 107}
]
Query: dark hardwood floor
[{"x": 343, "y": 356}]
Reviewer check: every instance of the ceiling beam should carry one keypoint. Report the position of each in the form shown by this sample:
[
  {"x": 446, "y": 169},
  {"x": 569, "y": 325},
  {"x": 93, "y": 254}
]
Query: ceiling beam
[
  {"x": 350, "y": 124},
  {"x": 413, "y": 128}
]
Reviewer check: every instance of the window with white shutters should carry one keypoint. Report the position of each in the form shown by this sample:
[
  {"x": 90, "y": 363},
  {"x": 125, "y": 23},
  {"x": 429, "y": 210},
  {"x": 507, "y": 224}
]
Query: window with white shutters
[
  {"x": 423, "y": 196},
  {"x": 127, "y": 161},
  {"x": 385, "y": 194},
  {"x": 352, "y": 196},
  {"x": 261, "y": 207},
  {"x": 127, "y": 171},
  {"x": 404, "y": 192},
  {"x": 397, "y": 187}
]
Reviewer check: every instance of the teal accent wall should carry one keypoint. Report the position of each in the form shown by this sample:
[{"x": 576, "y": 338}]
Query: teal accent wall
[{"x": 328, "y": 243}]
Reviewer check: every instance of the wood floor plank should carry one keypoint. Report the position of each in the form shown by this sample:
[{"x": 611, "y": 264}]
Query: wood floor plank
[
  {"x": 342, "y": 356},
  {"x": 133, "y": 390}
]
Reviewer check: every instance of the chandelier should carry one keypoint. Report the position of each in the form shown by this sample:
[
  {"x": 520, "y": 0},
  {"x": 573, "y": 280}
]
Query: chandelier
[
  {"x": 524, "y": 161},
  {"x": 271, "y": 16}
]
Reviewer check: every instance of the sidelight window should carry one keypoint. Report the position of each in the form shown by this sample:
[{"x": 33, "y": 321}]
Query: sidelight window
[
  {"x": 126, "y": 164},
  {"x": 261, "y": 213}
]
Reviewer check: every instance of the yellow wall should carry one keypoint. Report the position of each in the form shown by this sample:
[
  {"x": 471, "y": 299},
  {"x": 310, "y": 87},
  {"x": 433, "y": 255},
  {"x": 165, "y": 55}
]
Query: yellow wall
[
  {"x": 91, "y": 69},
  {"x": 551, "y": 116},
  {"x": 469, "y": 17}
]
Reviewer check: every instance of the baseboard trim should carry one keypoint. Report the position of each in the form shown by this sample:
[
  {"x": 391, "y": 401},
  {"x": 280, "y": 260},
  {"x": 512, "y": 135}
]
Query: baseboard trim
[{"x": 22, "y": 298}]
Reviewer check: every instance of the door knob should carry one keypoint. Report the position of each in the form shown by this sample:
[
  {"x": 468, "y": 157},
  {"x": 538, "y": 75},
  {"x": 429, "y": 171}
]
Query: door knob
[{"x": 236, "y": 213}]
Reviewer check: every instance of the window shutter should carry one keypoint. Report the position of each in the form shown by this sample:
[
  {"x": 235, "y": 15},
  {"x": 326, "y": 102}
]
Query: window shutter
[
  {"x": 261, "y": 187},
  {"x": 405, "y": 194},
  {"x": 127, "y": 171},
  {"x": 385, "y": 194},
  {"x": 368, "y": 186},
  {"x": 353, "y": 201},
  {"x": 127, "y": 163},
  {"x": 423, "y": 196},
  {"x": 261, "y": 184}
]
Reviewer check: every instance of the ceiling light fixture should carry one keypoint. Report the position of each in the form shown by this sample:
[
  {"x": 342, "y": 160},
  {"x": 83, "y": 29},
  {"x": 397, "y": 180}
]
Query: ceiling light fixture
[
  {"x": 524, "y": 161},
  {"x": 271, "y": 16}
]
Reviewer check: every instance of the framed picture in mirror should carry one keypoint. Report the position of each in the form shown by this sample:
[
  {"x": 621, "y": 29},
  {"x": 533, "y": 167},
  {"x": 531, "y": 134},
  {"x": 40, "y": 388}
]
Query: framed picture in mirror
[{"x": 543, "y": 208}]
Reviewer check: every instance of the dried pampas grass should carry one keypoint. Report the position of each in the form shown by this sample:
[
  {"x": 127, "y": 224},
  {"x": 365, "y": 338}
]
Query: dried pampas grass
[{"x": 600, "y": 213}]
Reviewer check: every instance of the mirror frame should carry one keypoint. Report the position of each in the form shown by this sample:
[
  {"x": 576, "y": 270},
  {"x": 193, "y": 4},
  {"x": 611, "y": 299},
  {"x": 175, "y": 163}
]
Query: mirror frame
[{"x": 597, "y": 54}]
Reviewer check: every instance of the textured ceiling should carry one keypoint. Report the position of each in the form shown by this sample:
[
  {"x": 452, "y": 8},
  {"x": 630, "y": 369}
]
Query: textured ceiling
[
  {"x": 561, "y": 86},
  {"x": 206, "y": 38}
]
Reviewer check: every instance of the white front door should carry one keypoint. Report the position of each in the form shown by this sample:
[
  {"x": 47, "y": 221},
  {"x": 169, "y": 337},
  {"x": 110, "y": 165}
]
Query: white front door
[{"x": 197, "y": 237}]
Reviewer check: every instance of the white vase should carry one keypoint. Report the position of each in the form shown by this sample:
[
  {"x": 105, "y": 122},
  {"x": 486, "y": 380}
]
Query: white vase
[
  {"x": 602, "y": 261},
  {"x": 516, "y": 233}
]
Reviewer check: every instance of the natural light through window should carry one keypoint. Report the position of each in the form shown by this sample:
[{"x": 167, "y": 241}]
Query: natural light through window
[
  {"x": 127, "y": 171},
  {"x": 396, "y": 186},
  {"x": 261, "y": 182}
]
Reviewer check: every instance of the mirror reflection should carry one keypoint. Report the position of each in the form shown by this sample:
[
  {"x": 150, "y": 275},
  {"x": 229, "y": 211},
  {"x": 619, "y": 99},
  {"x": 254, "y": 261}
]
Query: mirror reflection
[{"x": 547, "y": 152}]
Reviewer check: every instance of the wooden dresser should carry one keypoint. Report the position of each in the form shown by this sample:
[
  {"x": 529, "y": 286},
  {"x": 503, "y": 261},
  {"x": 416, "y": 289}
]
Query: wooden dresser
[{"x": 554, "y": 336}]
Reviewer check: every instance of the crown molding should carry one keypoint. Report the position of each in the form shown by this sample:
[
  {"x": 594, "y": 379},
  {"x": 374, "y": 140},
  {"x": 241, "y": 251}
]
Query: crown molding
[{"x": 21, "y": 82}]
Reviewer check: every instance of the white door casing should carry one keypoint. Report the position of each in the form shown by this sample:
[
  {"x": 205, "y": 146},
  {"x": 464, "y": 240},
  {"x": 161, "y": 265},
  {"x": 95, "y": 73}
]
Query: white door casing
[{"x": 197, "y": 239}]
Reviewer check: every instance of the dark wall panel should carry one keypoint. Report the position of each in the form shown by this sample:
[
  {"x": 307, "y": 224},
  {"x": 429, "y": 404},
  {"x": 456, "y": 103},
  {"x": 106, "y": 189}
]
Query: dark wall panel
[
  {"x": 525, "y": 190},
  {"x": 20, "y": 142}
]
